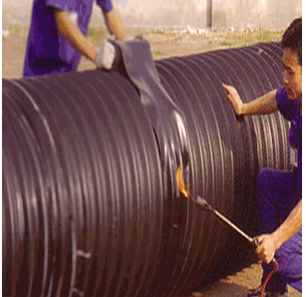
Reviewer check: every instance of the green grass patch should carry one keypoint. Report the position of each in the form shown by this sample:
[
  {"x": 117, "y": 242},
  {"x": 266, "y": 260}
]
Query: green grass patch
[
  {"x": 15, "y": 30},
  {"x": 158, "y": 53},
  {"x": 98, "y": 34},
  {"x": 178, "y": 38},
  {"x": 159, "y": 31},
  {"x": 227, "y": 43}
]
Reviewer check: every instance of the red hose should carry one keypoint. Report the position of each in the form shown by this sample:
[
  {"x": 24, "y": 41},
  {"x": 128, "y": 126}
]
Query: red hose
[{"x": 268, "y": 277}]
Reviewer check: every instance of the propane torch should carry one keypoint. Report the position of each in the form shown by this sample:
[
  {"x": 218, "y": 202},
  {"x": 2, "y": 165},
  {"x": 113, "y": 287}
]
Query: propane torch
[{"x": 203, "y": 204}]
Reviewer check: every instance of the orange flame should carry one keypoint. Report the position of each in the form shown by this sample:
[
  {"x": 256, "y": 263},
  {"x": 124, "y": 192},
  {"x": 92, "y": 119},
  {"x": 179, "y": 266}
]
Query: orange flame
[{"x": 180, "y": 181}]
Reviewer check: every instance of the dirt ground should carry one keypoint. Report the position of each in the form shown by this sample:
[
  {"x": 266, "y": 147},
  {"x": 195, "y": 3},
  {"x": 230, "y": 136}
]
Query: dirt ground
[
  {"x": 164, "y": 43},
  {"x": 238, "y": 284}
]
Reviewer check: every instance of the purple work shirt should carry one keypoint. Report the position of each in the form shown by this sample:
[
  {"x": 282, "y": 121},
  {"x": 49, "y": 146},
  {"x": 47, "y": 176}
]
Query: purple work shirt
[
  {"x": 47, "y": 50},
  {"x": 290, "y": 109}
]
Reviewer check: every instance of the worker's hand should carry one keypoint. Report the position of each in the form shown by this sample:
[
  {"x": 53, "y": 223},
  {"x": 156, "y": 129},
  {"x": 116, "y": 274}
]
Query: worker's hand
[
  {"x": 234, "y": 99},
  {"x": 266, "y": 248},
  {"x": 108, "y": 56}
]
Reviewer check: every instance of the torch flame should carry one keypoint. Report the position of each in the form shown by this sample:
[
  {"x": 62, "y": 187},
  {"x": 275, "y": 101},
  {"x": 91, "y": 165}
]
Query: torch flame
[{"x": 180, "y": 181}]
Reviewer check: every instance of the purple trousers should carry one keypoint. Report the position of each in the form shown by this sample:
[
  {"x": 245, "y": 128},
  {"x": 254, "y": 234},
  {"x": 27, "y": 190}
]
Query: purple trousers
[{"x": 278, "y": 193}]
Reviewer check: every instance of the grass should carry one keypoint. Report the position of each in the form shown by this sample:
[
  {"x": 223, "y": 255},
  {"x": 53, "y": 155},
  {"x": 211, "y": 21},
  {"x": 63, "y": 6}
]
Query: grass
[
  {"x": 177, "y": 38},
  {"x": 159, "y": 31},
  {"x": 248, "y": 37},
  {"x": 16, "y": 30},
  {"x": 158, "y": 53},
  {"x": 97, "y": 34},
  {"x": 227, "y": 43},
  {"x": 268, "y": 35}
]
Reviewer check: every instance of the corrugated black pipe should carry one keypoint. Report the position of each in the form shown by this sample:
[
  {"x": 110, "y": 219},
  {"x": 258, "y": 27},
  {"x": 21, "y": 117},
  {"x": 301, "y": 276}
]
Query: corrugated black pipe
[{"x": 85, "y": 208}]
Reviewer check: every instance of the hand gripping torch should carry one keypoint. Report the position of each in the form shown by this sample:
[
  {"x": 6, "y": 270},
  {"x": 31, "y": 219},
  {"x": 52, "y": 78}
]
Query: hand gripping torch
[{"x": 203, "y": 204}]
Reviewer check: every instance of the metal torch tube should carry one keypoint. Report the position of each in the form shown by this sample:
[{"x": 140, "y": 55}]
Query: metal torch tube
[{"x": 203, "y": 204}]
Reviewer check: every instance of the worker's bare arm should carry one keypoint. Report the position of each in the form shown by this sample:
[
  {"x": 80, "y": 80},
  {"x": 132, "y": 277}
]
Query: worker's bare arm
[
  {"x": 269, "y": 243},
  {"x": 114, "y": 25},
  {"x": 75, "y": 37},
  {"x": 289, "y": 227},
  {"x": 262, "y": 105}
]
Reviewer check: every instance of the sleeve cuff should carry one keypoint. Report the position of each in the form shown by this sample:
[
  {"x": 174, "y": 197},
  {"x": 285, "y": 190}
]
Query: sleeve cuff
[
  {"x": 61, "y": 5},
  {"x": 106, "y": 5}
]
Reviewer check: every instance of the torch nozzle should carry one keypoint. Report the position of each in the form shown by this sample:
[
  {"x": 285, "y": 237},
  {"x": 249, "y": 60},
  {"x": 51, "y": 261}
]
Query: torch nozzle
[{"x": 202, "y": 203}]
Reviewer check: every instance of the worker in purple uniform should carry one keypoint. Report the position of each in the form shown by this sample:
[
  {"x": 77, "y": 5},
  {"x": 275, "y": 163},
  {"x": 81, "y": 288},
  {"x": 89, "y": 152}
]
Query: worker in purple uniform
[
  {"x": 280, "y": 192},
  {"x": 57, "y": 36}
]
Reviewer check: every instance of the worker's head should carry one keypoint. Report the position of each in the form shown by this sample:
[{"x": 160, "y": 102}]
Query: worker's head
[{"x": 292, "y": 59}]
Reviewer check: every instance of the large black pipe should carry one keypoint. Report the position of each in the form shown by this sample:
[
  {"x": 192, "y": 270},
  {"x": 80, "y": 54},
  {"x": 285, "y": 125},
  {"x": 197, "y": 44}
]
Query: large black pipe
[{"x": 86, "y": 210}]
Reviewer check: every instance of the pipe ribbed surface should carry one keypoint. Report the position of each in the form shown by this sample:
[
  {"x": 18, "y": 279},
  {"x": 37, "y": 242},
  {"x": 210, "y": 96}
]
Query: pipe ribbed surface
[{"x": 86, "y": 209}]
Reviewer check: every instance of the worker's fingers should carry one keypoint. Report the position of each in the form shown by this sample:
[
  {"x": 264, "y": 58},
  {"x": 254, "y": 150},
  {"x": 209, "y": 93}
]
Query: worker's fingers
[
  {"x": 234, "y": 98},
  {"x": 231, "y": 99},
  {"x": 259, "y": 247},
  {"x": 225, "y": 86},
  {"x": 261, "y": 256},
  {"x": 265, "y": 258},
  {"x": 265, "y": 249},
  {"x": 229, "y": 88},
  {"x": 231, "y": 92},
  {"x": 260, "y": 238}
]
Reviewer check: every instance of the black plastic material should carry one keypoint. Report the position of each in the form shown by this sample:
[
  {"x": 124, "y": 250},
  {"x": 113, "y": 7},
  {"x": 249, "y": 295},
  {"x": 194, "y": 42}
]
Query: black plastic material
[
  {"x": 164, "y": 115},
  {"x": 86, "y": 209}
]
